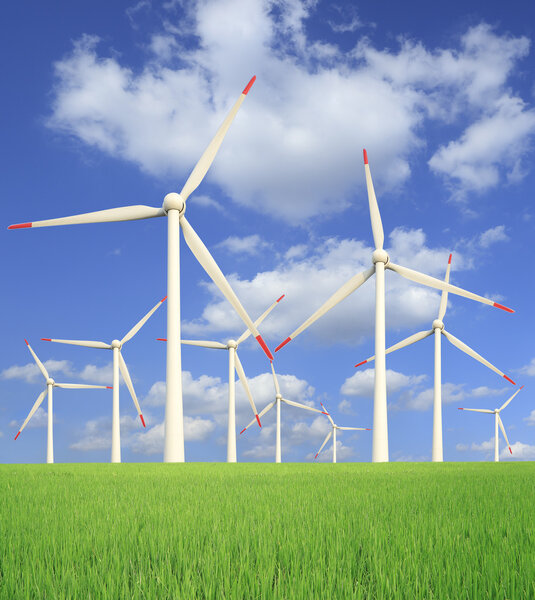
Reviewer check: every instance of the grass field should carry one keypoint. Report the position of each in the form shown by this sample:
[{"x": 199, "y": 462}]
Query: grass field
[{"x": 435, "y": 531}]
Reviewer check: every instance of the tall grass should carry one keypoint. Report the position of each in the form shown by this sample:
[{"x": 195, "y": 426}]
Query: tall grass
[{"x": 417, "y": 531}]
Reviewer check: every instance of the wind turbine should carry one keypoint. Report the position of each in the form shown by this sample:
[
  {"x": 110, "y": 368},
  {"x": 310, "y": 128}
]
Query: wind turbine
[
  {"x": 333, "y": 433},
  {"x": 497, "y": 421},
  {"x": 50, "y": 385},
  {"x": 174, "y": 206},
  {"x": 381, "y": 261},
  {"x": 118, "y": 363},
  {"x": 438, "y": 329},
  {"x": 277, "y": 403},
  {"x": 234, "y": 364}
]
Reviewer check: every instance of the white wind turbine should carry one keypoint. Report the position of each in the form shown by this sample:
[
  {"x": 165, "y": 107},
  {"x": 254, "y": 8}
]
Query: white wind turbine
[
  {"x": 381, "y": 261},
  {"x": 438, "y": 329},
  {"x": 118, "y": 364},
  {"x": 497, "y": 422},
  {"x": 50, "y": 385},
  {"x": 234, "y": 364},
  {"x": 332, "y": 433},
  {"x": 277, "y": 403},
  {"x": 174, "y": 206}
]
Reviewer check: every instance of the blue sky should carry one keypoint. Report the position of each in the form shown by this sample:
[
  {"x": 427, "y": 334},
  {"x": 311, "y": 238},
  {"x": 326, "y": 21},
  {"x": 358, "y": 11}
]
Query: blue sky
[{"x": 111, "y": 104}]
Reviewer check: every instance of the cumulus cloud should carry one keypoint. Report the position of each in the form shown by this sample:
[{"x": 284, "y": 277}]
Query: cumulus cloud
[
  {"x": 493, "y": 235},
  {"x": 39, "y": 419},
  {"x": 361, "y": 384},
  {"x": 292, "y": 150},
  {"x": 520, "y": 451},
  {"x": 530, "y": 420},
  {"x": 451, "y": 393},
  {"x": 248, "y": 245},
  {"x": 31, "y": 373},
  {"x": 528, "y": 369}
]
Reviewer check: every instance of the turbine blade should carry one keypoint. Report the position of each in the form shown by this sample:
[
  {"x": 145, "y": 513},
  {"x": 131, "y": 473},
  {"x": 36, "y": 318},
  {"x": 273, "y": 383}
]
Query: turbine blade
[
  {"x": 81, "y": 386},
  {"x": 123, "y": 213},
  {"x": 204, "y": 344},
  {"x": 85, "y": 343},
  {"x": 142, "y": 322},
  {"x": 507, "y": 401},
  {"x": 375, "y": 215},
  {"x": 481, "y": 410},
  {"x": 350, "y": 286},
  {"x": 210, "y": 266},
  {"x": 245, "y": 383},
  {"x": 299, "y": 405},
  {"x": 276, "y": 381},
  {"x": 354, "y": 428},
  {"x": 129, "y": 385},
  {"x": 262, "y": 413},
  {"x": 444, "y": 297},
  {"x": 441, "y": 285},
  {"x": 467, "y": 350},
  {"x": 247, "y": 333},
  {"x": 37, "y": 404},
  {"x": 327, "y": 413},
  {"x": 500, "y": 423},
  {"x": 38, "y": 362},
  {"x": 327, "y": 438},
  {"x": 202, "y": 166},
  {"x": 416, "y": 337}
]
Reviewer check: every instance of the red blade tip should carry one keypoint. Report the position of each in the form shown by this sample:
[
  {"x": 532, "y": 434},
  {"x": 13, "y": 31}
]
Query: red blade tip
[
  {"x": 249, "y": 85},
  {"x": 109, "y": 387},
  {"x": 521, "y": 387},
  {"x": 258, "y": 420},
  {"x": 264, "y": 347},
  {"x": 281, "y": 298},
  {"x": 17, "y": 435},
  {"x": 283, "y": 344},
  {"x": 367, "y": 429},
  {"x": 324, "y": 408},
  {"x": 142, "y": 420},
  {"x": 361, "y": 363},
  {"x": 315, "y": 457},
  {"x": 20, "y": 226},
  {"x": 163, "y": 299},
  {"x": 510, "y": 450},
  {"x": 461, "y": 408},
  {"x": 26, "y": 342},
  {"x": 46, "y": 339},
  {"x": 243, "y": 430},
  {"x": 503, "y": 307},
  {"x": 449, "y": 260},
  {"x": 161, "y": 339},
  {"x": 365, "y": 156},
  {"x": 509, "y": 379},
  {"x": 324, "y": 413}
]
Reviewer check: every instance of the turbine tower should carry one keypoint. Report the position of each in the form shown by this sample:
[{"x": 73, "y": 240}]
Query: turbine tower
[
  {"x": 174, "y": 207},
  {"x": 497, "y": 422},
  {"x": 381, "y": 261},
  {"x": 234, "y": 365},
  {"x": 118, "y": 364},
  {"x": 277, "y": 403},
  {"x": 332, "y": 433},
  {"x": 438, "y": 330},
  {"x": 50, "y": 385}
]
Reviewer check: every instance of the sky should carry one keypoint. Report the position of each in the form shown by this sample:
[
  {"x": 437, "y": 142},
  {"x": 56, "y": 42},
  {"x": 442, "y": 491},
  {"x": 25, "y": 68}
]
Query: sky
[{"x": 111, "y": 104}]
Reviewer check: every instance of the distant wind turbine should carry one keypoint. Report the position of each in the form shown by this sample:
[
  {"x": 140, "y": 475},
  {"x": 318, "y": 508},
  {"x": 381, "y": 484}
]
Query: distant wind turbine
[
  {"x": 438, "y": 329},
  {"x": 277, "y": 403},
  {"x": 332, "y": 433},
  {"x": 234, "y": 364},
  {"x": 174, "y": 207},
  {"x": 118, "y": 363},
  {"x": 497, "y": 422},
  {"x": 50, "y": 385},
  {"x": 381, "y": 261}
]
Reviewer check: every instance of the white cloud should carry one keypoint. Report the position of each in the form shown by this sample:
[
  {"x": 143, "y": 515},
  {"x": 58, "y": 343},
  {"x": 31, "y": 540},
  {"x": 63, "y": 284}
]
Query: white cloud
[
  {"x": 292, "y": 150},
  {"x": 451, "y": 393},
  {"x": 361, "y": 384},
  {"x": 250, "y": 245},
  {"x": 493, "y": 235},
  {"x": 528, "y": 369},
  {"x": 30, "y": 372},
  {"x": 530, "y": 420},
  {"x": 39, "y": 419},
  {"x": 520, "y": 452},
  {"x": 345, "y": 407}
]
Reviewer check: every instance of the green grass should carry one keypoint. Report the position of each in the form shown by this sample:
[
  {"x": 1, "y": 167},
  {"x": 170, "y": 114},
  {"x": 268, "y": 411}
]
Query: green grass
[{"x": 435, "y": 531}]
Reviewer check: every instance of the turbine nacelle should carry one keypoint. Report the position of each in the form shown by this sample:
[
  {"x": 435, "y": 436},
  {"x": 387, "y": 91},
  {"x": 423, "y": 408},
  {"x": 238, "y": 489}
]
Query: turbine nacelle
[
  {"x": 174, "y": 201},
  {"x": 116, "y": 344},
  {"x": 232, "y": 344},
  {"x": 380, "y": 255},
  {"x": 438, "y": 324},
  {"x": 278, "y": 396},
  {"x": 50, "y": 381}
]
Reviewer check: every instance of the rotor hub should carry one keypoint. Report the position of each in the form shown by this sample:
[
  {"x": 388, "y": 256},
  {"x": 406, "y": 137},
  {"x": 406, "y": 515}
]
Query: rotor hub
[
  {"x": 438, "y": 324},
  {"x": 50, "y": 381},
  {"x": 116, "y": 344},
  {"x": 174, "y": 201},
  {"x": 380, "y": 256},
  {"x": 278, "y": 397},
  {"x": 232, "y": 344}
]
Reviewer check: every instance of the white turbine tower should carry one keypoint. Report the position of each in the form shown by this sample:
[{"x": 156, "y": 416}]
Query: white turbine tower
[
  {"x": 50, "y": 385},
  {"x": 174, "y": 206},
  {"x": 118, "y": 364},
  {"x": 332, "y": 433},
  {"x": 497, "y": 422},
  {"x": 438, "y": 329},
  {"x": 381, "y": 261},
  {"x": 234, "y": 365},
  {"x": 277, "y": 403}
]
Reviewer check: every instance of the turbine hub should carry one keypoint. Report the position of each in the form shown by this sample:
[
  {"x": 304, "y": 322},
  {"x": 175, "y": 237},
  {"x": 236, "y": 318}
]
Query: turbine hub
[
  {"x": 50, "y": 381},
  {"x": 438, "y": 324},
  {"x": 116, "y": 344},
  {"x": 380, "y": 256},
  {"x": 232, "y": 344},
  {"x": 174, "y": 201},
  {"x": 278, "y": 397}
]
